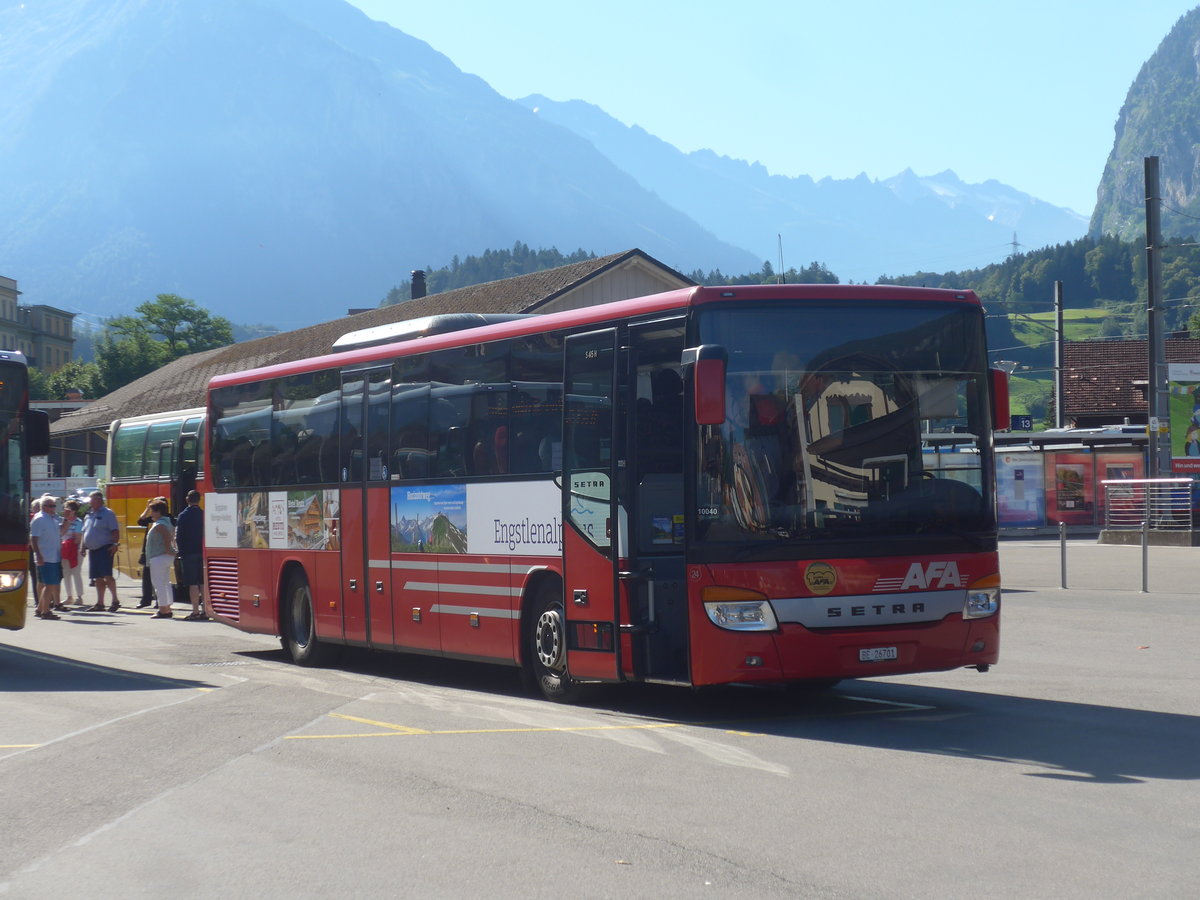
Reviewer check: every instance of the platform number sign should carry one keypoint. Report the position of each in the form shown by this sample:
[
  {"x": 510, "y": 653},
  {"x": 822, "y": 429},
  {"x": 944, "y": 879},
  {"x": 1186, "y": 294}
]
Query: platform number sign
[{"x": 1022, "y": 423}]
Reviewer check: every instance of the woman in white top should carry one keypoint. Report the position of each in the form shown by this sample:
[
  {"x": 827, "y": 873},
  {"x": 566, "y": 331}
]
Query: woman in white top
[{"x": 160, "y": 555}]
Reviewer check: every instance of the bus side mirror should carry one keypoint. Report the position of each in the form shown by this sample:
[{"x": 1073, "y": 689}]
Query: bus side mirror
[
  {"x": 37, "y": 432},
  {"x": 1001, "y": 415},
  {"x": 708, "y": 382}
]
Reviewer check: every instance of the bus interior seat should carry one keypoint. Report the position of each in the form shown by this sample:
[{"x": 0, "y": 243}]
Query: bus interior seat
[
  {"x": 308, "y": 460},
  {"x": 329, "y": 460},
  {"x": 241, "y": 457},
  {"x": 261, "y": 463}
]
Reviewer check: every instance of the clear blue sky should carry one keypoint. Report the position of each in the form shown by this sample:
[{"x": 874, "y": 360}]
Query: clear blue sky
[{"x": 1023, "y": 91}]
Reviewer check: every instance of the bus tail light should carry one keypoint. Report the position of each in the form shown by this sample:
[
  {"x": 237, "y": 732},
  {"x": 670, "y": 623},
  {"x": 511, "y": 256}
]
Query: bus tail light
[
  {"x": 738, "y": 609},
  {"x": 983, "y": 598}
]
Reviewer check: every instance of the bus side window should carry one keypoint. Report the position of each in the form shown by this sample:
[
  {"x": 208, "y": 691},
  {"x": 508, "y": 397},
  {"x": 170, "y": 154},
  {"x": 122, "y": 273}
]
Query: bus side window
[
  {"x": 378, "y": 425},
  {"x": 535, "y": 413},
  {"x": 535, "y": 427},
  {"x": 470, "y": 405}
]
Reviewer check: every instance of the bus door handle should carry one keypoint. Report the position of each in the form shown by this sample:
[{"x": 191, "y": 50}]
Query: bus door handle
[{"x": 646, "y": 575}]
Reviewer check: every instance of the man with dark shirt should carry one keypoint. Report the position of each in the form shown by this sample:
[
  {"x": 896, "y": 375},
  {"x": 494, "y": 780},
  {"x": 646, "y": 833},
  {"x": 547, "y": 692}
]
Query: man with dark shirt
[{"x": 189, "y": 538}]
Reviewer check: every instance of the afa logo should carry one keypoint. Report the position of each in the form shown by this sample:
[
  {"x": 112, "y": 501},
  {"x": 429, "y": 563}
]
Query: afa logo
[
  {"x": 820, "y": 578},
  {"x": 932, "y": 575}
]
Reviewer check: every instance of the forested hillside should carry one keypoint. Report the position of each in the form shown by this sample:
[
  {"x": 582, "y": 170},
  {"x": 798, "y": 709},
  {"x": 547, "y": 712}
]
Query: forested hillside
[{"x": 1160, "y": 117}]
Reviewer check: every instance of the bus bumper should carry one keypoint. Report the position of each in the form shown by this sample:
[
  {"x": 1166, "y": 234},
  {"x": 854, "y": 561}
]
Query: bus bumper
[{"x": 795, "y": 653}]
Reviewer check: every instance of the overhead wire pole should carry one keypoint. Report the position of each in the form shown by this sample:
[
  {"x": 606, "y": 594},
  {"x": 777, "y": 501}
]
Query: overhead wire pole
[
  {"x": 1156, "y": 407},
  {"x": 1059, "y": 395}
]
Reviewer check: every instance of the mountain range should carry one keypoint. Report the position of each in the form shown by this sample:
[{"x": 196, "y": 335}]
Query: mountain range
[
  {"x": 283, "y": 160},
  {"x": 860, "y": 228}
]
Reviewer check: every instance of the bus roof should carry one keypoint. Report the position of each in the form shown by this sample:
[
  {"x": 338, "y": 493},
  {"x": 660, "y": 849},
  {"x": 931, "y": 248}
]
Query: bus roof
[
  {"x": 151, "y": 418},
  {"x": 601, "y": 313}
]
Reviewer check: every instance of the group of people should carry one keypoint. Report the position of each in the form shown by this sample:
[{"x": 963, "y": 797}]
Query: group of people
[{"x": 60, "y": 544}]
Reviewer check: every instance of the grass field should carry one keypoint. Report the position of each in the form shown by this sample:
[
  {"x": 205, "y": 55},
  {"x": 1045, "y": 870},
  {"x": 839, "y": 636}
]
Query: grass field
[
  {"x": 1029, "y": 396},
  {"x": 1078, "y": 325}
]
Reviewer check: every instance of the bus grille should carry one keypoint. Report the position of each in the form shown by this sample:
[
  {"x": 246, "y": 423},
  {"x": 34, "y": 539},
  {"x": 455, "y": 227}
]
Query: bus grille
[{"x": 222, "y": 576}]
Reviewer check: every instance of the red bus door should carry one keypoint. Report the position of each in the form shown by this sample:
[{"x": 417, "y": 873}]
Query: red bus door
[
  {"x": 365, "y": 536},
  {"x": 592, "y": 533},
  {"x": 653, "y": 569}
]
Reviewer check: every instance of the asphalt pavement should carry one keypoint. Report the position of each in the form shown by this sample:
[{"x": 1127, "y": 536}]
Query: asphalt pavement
[{"x": 1036, "y": 564}]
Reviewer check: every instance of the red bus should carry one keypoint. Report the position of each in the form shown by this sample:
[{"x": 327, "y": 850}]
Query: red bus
[{"x": 769, "y": 484}]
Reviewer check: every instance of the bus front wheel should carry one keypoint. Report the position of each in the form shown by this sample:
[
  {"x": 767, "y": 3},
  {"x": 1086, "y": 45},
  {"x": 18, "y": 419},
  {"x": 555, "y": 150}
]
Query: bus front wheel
[
  {"x": 546, "y": 647},
  {"x": 299, "y": 627}
]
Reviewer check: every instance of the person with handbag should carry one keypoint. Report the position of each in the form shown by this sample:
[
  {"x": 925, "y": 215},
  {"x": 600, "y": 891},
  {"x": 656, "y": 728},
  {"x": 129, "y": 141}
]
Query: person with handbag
[
  {"x": 160, "y": 556},
  {"x": 72, "y": 563}
]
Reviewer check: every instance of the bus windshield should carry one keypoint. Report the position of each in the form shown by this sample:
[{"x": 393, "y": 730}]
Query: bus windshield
[
  {"x": 846, "y": 422},
  {"x": 14, "y": 514}
]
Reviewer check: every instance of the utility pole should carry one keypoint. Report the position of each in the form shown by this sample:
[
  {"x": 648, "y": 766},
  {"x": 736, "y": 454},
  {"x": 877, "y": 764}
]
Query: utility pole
[
  {"x": 1059, "y": 394},
  {"x": 1156, "y": 402}
]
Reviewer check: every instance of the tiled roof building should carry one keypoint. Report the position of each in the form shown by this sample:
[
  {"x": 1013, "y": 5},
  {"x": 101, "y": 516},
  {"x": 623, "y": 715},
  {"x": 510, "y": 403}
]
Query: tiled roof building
[{"x": 1104, "y": 382}]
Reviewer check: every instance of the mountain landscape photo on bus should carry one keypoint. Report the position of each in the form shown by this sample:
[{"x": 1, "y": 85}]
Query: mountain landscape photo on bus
[{"x": 429, "y": 519}]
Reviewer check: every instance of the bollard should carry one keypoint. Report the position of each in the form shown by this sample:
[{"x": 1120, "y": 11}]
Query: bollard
[
  {"x": 1062, "y": 552},
  {"x": 1145, "y": 555}
]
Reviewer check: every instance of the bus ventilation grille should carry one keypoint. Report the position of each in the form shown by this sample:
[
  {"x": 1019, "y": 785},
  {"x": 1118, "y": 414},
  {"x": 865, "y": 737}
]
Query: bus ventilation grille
[{"x": 222, "y": 576}]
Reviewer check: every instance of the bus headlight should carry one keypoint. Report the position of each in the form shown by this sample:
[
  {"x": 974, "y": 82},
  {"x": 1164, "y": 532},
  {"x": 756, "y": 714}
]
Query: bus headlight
[
  {"x": 737, "y": 609},
  {"x": 12, "y": 581},
  {"x": 981, "y": 603}
]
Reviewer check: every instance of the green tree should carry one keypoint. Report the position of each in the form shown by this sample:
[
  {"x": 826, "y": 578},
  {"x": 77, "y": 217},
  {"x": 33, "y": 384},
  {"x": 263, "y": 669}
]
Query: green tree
[
  {"x": 76, "y": 375},
  {"x": 184, "y": 326},
  {"x": 38, "y": 389},
  {"x": 164, "y": 329},
  {"x": 126, "y": 351}
]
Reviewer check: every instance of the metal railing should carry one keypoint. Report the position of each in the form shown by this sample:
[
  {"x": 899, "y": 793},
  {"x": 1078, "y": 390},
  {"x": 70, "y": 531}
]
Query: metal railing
[{"x": 1155, "y": 504}]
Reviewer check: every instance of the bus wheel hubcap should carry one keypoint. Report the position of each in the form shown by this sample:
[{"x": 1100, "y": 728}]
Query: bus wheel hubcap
[{"x": 548, "y": 640}]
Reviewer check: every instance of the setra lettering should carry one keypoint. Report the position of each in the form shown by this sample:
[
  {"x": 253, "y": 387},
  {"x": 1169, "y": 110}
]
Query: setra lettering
[{"x": 881, "y": 609}]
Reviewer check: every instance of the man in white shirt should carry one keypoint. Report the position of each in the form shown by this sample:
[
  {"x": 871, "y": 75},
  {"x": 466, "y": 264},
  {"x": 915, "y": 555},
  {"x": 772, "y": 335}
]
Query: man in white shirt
[{"x": 45, "y": 537}]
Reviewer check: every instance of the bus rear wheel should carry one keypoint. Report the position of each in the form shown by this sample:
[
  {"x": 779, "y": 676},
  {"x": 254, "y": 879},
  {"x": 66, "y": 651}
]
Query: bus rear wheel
[
  {"x": 299, "y": 627},
  {"x": 546, "y": 648}
]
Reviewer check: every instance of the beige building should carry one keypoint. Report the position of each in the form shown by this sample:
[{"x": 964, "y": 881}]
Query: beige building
[{"x": 43, "y": 333}]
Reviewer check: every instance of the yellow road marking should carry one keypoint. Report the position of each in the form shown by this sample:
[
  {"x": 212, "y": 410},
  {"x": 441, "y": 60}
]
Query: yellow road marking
[
  {"x": 18, "y": 746},
  {"x": 395, "y": 730},
  {"x": 403, "y": 731},
  {"x": 398, "y": 728}
]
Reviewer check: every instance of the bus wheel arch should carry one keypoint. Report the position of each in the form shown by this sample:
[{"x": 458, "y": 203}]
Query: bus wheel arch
[
  {"x": 297, "y": 620},
  {"x": 544, "y": 639}
]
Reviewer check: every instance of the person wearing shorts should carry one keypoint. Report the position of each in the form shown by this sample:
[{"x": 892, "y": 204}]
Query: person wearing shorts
[
  {"x": 100, "y": 535},
  {"x": 45, "y": 537}
]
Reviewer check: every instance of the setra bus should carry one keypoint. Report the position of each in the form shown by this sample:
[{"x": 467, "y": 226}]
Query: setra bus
[
  {"x": 24, "y": 432},
  {"x": 765, "y": 484},
  {"x": 150, "y": 456}
]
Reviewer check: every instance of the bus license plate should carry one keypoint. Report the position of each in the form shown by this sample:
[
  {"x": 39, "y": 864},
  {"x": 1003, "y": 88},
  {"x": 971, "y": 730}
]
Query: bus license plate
[{"x": 875, "y": 654}]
